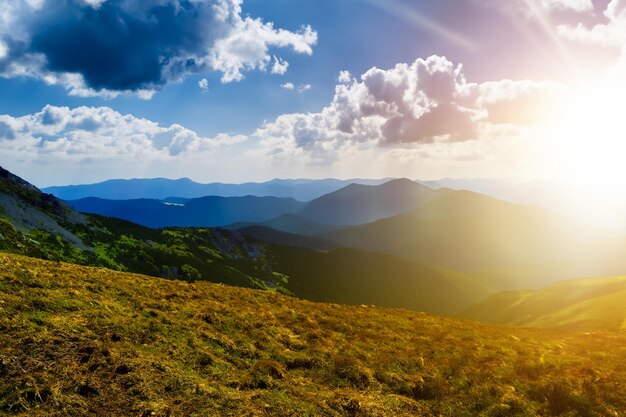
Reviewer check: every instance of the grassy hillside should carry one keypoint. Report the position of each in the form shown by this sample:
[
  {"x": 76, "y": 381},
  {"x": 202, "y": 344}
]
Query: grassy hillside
[
  {"x": 80, "y": 341},
  {"x": 596, "y": 303},
  {"x": 475, "y": 233}
]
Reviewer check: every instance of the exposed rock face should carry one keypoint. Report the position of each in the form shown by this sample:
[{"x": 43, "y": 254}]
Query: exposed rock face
[{"x": 29, "y": 208}]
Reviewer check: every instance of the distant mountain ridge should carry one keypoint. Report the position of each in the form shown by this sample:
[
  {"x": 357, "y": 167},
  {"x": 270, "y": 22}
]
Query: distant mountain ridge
[
  {"x": 198, "y": 212},
  {"x": 359, "y": 204},
  {"x": 354, "y": 204},
  {"x": 162, "y": 188}
]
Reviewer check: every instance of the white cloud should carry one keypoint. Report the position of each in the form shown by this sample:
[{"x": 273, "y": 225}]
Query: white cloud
[
  {"x": 280, "y": 66},
  {"x": 609, "y": 34},
  {"x": 99, "y": 134},
  {"x": 390, "y": 122},
  {"x": 203, "y": 84},
  {"x": 344, "y": 77},
  {"x": 428, "y": 102},
  {"x": 247, "y": 43},
  {"x": 4, "y": 50},
  {"x": 300, "y": 88},
  {"x": 304, "y": 87}
]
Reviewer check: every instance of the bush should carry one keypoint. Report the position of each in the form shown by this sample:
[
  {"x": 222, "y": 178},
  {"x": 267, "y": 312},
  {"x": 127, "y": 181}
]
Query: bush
[{"x": 190, "y": 273}]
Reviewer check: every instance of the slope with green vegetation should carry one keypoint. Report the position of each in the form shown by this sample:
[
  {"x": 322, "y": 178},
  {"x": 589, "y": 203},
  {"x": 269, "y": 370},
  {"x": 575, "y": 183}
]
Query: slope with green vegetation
[
  {"x": 81, "y": 341},
  {"x": 596, "y": 303},
  {"x": 351, "y": 276}
]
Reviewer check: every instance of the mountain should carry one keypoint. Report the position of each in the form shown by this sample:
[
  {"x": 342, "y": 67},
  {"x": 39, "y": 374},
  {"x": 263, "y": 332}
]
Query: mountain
[
  {"x": 92, "y": 342},
  {"x": 358, "y": 204},
  {"x": 162, "y": 188},
  {"x": 230, "y": 257},
  {"x": 588, "y": 304},
  {"x": 289, "y": 223},
  {"x": 475, "y": 233},
  {"x": 197, "y": 212}
]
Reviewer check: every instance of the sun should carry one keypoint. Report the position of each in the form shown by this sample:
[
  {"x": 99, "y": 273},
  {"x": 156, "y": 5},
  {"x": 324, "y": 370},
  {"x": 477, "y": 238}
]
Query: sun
[{"x": 585, "y": 149}]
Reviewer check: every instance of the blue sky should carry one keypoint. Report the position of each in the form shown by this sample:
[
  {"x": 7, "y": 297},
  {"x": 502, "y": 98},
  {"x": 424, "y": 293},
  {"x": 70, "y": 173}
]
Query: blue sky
[{"x": 464, "y": 112}]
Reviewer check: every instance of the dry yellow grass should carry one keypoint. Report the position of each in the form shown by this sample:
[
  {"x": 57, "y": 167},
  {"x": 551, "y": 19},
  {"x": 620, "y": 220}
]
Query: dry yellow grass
[{"x": 84, "y": 341}]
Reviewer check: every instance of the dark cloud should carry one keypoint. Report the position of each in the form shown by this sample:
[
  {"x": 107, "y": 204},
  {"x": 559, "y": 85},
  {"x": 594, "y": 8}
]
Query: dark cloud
[
  {"x": 117, "y": 47},
  {"x": 110, "y": 46}
]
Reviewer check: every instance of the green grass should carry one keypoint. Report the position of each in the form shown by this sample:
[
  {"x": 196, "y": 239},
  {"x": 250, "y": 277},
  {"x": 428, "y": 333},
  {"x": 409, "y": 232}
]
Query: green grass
[{"x": 82, "y": 341}]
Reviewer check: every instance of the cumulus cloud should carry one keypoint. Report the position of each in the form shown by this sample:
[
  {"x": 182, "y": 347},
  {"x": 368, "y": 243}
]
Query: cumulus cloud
[
  {"x": 203, "y": 84},
  {"x": 426, "y": 102},
  {"x": 104, "y": 47},
  {"x": 611, "y": 33},
  {"x": 410, "y": 113},
  {"x": 280, "y": 66},
  {"x": 99, "y": 133},
  {"x": 344, "y": 77},
  {"x": 287, "y": 86}
]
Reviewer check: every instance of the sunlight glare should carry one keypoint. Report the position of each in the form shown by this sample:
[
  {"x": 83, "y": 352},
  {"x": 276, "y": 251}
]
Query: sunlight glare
[{"x": 587, "y": 151}]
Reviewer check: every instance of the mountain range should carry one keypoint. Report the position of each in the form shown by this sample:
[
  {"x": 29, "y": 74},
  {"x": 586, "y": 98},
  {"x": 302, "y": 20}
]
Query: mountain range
[
  {"x": 196, "y": 212},
  {"x": 515, "y": 246},
  {"x": 353, "y": 204},
  {"x": 162, "y": 188},
  {"x": 438, "y": 250}
]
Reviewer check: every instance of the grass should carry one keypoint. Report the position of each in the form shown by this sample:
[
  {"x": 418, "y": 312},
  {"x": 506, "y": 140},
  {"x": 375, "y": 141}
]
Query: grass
[
  {"x": 82, "y": 341},
  {"x": 583, "y": 304}
]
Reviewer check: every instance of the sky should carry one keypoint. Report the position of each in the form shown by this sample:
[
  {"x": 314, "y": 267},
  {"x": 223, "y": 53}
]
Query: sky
[{"x": 249, "y": 90}]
